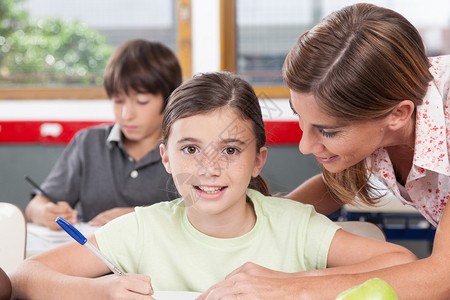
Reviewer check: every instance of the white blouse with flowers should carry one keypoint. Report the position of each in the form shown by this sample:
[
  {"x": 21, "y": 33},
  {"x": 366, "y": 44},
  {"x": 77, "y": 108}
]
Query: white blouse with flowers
[{"x": 428, "y": 182}]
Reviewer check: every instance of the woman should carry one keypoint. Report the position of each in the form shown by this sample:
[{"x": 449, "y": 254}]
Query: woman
[{"x": 369, "y": 102}]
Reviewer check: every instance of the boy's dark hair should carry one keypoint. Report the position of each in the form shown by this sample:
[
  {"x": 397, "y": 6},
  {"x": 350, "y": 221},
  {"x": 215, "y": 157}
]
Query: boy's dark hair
[{"x": 143, "y": 67}]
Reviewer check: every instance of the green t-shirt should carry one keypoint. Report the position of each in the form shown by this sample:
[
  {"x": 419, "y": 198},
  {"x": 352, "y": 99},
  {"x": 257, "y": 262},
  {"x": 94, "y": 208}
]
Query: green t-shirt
[{"x": 159, "y": 241}]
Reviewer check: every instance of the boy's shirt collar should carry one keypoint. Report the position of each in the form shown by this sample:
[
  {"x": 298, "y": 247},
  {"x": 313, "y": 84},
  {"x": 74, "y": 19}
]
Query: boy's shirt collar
[{"x": 115, "y": 136}]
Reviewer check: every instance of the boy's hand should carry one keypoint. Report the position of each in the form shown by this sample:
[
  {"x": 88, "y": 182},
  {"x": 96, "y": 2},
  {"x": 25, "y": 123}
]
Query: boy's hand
[{"x": 61, "y": 209}]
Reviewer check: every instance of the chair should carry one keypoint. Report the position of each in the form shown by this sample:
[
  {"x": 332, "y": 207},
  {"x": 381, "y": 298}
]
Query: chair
[
  {"x": 13, "y": 236},
  {"x": 362, "y": 228}
]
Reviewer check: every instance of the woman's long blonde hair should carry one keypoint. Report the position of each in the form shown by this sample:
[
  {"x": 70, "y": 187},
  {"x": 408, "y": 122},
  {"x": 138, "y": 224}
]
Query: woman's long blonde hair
[{"x": 359, "y": 63}]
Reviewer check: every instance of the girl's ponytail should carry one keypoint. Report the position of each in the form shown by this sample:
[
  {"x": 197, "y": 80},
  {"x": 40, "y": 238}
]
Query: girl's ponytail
[{"x": 259, "y": 184}]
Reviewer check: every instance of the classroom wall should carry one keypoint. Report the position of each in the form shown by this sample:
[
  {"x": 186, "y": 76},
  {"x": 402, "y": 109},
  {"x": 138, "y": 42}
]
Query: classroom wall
[
  {"x": 285, "y": 168},
  {"x": 16, "y": 161}
]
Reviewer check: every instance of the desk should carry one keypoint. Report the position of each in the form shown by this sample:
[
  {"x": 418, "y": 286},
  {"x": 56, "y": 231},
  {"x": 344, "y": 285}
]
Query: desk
[
  {"x": 40, "y": 238},
  {"x": 175, "y": 295}
]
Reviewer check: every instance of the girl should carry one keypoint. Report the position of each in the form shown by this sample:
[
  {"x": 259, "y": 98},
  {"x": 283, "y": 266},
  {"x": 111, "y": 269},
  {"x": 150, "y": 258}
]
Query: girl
[{"x": 213, "y": 145}]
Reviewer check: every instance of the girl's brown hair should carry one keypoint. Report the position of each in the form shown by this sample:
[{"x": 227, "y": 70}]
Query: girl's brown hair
[
  {"x": 144, "y": 67},
  {"x": 359, "y": 63},
  {"x": 207, "y": 92}
]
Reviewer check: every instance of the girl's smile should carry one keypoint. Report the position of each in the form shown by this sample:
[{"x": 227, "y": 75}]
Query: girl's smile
[{"x": 209, "y": 192}]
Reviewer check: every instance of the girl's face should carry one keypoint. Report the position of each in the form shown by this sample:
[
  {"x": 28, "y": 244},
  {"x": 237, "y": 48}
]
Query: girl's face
[
  {"x": 212, "y": 158},
  {"x": 139, "y": 115},
  {"x": 336, "y": 144}
]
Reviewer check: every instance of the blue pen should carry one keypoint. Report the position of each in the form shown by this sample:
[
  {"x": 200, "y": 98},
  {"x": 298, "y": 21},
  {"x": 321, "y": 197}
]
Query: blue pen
[{"x": 77, "y": 236}]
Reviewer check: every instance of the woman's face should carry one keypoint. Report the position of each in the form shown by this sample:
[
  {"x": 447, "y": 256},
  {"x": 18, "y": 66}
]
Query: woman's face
[{"x": 336, "y": 144}]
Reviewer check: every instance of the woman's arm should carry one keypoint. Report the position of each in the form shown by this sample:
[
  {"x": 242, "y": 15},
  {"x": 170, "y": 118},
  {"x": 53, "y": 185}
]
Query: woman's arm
[
  {"x": 408, "y": 279},
  {"x": 314, "y": 192},
  {"x": 72, "y": 272}
]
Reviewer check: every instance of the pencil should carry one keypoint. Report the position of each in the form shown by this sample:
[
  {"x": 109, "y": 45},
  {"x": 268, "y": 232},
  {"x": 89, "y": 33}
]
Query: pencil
[{"x": 34, "y": 184}]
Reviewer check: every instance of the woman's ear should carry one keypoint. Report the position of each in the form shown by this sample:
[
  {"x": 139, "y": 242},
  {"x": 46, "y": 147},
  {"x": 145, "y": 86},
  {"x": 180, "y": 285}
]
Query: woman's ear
[
  {"x": 401, "y": 115},
  {"x": 164, "y": 157},
  {"x": 260, "y": 160}
]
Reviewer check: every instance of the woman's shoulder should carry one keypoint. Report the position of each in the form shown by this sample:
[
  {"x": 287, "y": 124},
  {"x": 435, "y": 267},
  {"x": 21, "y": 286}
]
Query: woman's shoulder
[
  {"x": 440, "y": 69},
  {"x": 437, "y": 61}
]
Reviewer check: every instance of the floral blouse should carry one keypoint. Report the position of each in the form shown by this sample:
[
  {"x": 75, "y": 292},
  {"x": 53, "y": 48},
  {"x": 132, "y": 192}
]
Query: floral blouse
[{"x": 428, "y": 182}]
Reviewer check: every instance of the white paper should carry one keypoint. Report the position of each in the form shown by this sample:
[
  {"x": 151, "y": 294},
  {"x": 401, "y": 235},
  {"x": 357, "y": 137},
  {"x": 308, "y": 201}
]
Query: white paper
[
  {"x": 58, "y": 236},
  {"x": 175, "y": 295}
]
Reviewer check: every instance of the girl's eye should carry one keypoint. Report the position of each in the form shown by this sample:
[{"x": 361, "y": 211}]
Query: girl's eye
[
  {"x": 190, "y": 149},
  {"x": 328, "y": 134},
  {"x": 231, "y": 151}
]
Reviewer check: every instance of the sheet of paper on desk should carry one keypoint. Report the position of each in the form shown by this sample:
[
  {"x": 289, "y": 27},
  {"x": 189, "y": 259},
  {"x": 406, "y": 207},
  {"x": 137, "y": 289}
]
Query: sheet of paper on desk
[
  {"x": 58, "y": 236},
  {"x": 175, "y": 295}
]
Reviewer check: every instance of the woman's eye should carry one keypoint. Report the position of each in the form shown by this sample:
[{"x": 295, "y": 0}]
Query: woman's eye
[
  {"x": 190, "y": 149},
  {"x": 328, "y": 134}
]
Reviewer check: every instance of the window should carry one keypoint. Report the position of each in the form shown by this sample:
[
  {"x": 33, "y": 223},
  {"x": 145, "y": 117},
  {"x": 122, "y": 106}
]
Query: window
[
  {"x": 258, "y": 34},
  {"x": 59, "y": 49}
]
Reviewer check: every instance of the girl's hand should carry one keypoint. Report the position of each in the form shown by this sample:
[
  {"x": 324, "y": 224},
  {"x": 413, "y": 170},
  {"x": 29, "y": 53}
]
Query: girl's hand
[{"x": 132, "y": 286}]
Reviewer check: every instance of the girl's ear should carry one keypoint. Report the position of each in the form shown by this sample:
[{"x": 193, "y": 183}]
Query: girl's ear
[
  {"x": 164, "y": 157},
  {"x": 401, "y": 115},
  {"x": 260, "y": 160}
]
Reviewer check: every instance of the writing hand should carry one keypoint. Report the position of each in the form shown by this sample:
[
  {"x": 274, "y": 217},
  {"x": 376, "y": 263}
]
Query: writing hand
[
  {"x": 132, "y": 286},
  {"x": 61, "y": 209}
]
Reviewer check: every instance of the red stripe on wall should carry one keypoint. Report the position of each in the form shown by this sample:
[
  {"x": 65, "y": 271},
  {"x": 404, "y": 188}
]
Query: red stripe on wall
[
  {"x": 42, "y": 132},
  {"x": 61, "y": 132},
  {"x": 282, "y": 132}
]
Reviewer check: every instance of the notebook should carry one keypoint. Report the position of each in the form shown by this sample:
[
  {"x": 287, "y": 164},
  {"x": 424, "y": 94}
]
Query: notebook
[
  {"x": 175, "y": 295},
  {"x": 58, "y": 236}
]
